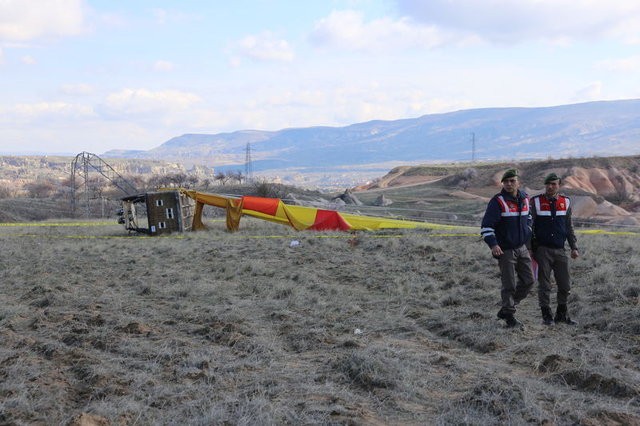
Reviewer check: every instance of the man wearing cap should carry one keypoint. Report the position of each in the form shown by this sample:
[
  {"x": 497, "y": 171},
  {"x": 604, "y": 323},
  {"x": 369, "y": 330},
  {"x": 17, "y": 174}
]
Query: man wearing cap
[
  {"x": 506, "y": 228},
  {"x": 551, "y": 214}
]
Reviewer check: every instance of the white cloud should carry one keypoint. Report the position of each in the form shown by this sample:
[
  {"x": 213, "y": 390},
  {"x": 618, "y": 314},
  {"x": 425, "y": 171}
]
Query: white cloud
[
  {"x": 28, "y": 60},
  {"x": 235, "y": 61},
  {"x": 297, "y": 98},
  {"x": 347, "y": 29},
  {"x": 630, "y": 64},
  {"x": 160, "y": 16},
  {"x": 509, "y": 21},
  {"x": 163, "y": 66},
  {"x": 628, "y": 31},
  {"x": 29, "y": 20},
  {"x": 165, "y": 16},
  {"x": 591, "y": 92},
  {"x": 80, "y": 89},
  {"x": 113, "y": 20},
  {"x": 145, "y": 102},
  {"x": 384, "y": 102},
  {"x": 335, "y": 105},
  {"x": 46, "y": 111},
  {"x": 263, "y": 47}
]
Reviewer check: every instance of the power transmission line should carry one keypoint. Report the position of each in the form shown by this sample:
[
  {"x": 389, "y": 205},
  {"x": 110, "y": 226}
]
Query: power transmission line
[
  {"x": 82, "y": 165},
  {"x": 473, "y": 147},
  {"x": 248, "y": 167}
]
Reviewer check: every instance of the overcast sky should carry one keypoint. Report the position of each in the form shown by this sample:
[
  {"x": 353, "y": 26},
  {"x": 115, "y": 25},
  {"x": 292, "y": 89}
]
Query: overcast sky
[{"x": 98, "y": 75}]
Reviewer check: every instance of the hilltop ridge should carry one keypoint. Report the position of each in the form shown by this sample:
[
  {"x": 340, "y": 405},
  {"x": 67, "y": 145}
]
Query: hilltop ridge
[{"x": 497, "y": 134}]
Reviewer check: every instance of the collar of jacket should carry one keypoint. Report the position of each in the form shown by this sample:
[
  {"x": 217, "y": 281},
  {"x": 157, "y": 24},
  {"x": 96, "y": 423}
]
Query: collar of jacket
[{"x": 519, "y": 195}]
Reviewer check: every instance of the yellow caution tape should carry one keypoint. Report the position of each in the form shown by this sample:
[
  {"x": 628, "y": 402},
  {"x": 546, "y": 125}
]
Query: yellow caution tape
[
  {"x": 52, "y": 224},
  {"x": 238, "y": 236},
  {"x": 307, "y": 235},
  {"x": 603, "y": 232},
  {"x": 87, "y": 237}
]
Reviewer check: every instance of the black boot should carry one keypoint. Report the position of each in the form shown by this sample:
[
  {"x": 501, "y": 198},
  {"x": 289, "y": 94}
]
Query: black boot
[
  {"x": 547, "y": 316},
  {"x": 512, "y": 322},
  {"x": 563, "y": 316},
  {"x": 502, "y": 314}
]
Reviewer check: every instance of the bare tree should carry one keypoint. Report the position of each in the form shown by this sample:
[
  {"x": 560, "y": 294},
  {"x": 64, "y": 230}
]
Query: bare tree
[
  {"x": 222, "y": 178},
  {"x": 177, "y": 179},
  {"x": 159, "y": 181},
  {"x": 237, "y": 176},
  {"x": 153, "y": 182},
  {"x": 191, "y": 181},
  {"x": 6, "y": 192},
  {"x": 96, "y": 186},
  {"x": 137, "y": 181},
  {"x": 40, "y": 188}
]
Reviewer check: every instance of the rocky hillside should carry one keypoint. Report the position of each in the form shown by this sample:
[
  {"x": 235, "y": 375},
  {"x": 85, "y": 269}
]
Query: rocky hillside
[
  {"x": 17, "y": 172},
  {"x": 606, "y": 190}
]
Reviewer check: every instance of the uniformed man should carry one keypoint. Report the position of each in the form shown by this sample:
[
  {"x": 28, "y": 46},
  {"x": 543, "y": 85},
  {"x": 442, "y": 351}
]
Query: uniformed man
[
  {"x": 506, "y": 228},
  {"x": 552, "y": 227}
]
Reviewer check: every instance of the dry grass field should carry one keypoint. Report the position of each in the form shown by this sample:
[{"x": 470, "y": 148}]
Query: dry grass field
[{"x": 246, "y": 328}]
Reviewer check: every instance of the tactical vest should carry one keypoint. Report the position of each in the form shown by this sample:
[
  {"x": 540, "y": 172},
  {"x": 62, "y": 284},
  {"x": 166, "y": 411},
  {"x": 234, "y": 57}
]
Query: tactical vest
[
  {"x": 550, "y": 226},
  {"x": 510, "y": 207}
]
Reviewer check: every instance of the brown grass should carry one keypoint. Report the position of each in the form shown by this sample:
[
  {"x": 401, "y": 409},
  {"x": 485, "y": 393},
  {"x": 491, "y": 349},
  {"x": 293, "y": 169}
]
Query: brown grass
[{"x": 218, "y": 328}]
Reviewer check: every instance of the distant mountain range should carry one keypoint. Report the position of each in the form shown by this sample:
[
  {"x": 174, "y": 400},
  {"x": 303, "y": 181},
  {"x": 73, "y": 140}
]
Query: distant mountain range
[{"x": 588, "y": 129}]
